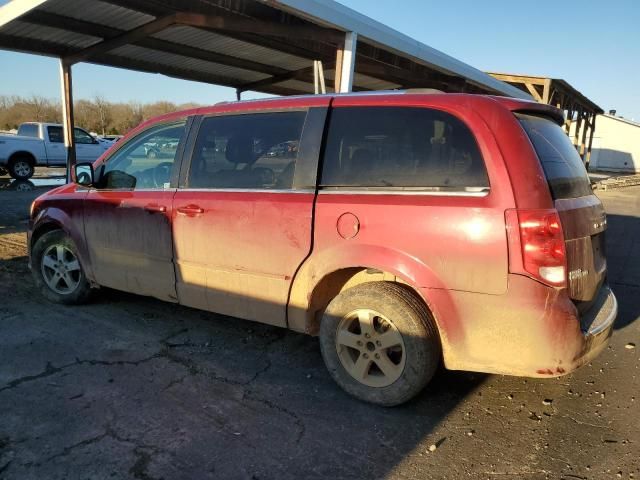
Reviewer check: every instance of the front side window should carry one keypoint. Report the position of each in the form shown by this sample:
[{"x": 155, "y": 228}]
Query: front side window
[
  {"x": 146, "y": 161},
  {"x": 250, "y": 151},
  {"x": 82, "y": 137},
  {"x": 401, "y": 148}
]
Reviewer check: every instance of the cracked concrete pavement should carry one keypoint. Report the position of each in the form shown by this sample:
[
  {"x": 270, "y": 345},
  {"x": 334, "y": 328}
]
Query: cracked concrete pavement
[{"x": 130, "y": 387}]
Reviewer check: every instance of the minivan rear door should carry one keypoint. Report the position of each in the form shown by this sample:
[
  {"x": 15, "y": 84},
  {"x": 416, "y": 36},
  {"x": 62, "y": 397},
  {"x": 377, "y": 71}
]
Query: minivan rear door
[{"x": 581, "y": 212}]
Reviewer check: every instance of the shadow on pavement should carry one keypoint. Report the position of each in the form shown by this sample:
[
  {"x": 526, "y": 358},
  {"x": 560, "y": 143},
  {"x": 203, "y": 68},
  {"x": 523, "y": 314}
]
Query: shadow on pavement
[
  {"x": 623, "y": 244},
  {"x": 193, "y": 394}
]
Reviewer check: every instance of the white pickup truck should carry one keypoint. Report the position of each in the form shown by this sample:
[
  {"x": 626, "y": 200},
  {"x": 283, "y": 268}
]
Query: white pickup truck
[{"x": 42, "y": 145}]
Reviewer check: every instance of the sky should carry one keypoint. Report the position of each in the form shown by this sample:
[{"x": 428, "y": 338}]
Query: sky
[{"x": 592, "y": 44}]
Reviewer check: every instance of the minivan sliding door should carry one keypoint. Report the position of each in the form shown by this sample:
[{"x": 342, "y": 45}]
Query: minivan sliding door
[{"x": 242, "y": 220}]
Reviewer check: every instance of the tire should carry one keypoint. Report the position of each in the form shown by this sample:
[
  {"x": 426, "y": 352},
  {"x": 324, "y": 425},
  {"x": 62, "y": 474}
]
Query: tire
[
  {"x": 391, "y": 315},
  {"x": 152, "y": 154},
  {"x": 73, "y": 289},
  {"x": 21, "y": 167}
]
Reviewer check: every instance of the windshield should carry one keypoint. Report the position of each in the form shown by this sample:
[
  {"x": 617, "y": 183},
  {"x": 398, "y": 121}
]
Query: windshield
[{"x": 563, "y": 167}]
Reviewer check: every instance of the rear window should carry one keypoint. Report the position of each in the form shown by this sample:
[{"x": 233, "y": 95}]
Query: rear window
[
  {"x": 563, "y": 167},
  {"x": 401, "y": 148}
]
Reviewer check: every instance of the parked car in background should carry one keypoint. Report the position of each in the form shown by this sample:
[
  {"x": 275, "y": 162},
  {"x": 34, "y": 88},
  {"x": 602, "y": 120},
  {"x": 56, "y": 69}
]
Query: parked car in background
[
  {"x": 111, "y": 138},
  {"x": 42, "y": 145},
  {"x": 161, "y": 147},
  {"x": 403, "y": 229},
  {"x": 102, "y": 140}
]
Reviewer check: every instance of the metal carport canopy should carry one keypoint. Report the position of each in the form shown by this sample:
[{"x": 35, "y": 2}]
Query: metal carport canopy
[{"x": 267, "y": 46}]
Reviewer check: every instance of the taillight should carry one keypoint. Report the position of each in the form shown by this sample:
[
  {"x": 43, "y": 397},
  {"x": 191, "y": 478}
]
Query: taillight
[{"x": 543, "y": 248}]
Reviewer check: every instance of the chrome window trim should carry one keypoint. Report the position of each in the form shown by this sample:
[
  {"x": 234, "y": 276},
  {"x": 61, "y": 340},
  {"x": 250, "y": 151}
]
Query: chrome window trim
[
  {"x": 404, "y": 192},
  {"x": 126, "y": 142},
  {"x": 131, "y": 190},
  {"x": 245, "y": 190}
]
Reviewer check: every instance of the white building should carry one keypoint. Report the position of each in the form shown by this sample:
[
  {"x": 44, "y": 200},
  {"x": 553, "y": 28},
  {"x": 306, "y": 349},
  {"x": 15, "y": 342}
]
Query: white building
[{"x": 616, "y": 145}]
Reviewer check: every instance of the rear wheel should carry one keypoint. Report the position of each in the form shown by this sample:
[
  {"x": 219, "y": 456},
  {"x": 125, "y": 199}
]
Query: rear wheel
[
  {"x": 379, "y": 343},
  {"x": 57, "y": 270},
  {"x": 21, "y": 168}
]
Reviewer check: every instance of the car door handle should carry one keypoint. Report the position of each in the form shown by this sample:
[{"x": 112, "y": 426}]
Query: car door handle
[
  {"x": 190, "y": 210},
  {"x": 152, "y": 207}
]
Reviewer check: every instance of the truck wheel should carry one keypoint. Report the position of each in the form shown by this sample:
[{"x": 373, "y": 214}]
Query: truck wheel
[
  {"x": 21, "y": 167},
  {"x": 379, "y": 343},
  {"x": 57, "y": 270}
]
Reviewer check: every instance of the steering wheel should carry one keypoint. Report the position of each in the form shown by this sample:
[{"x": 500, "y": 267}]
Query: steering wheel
[{"x": 161, "y": 173}]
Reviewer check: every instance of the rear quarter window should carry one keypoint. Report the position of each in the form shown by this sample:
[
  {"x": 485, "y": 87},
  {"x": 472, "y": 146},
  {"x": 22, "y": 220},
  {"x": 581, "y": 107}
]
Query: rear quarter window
[
  {"x": 566, "y": 174},
  {"x": 401, "y": 148}
]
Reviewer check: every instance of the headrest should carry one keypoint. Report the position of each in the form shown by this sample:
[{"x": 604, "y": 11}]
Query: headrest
[
  {"x": 209, "y": 144},
  {"x": 240, "y": 150}
]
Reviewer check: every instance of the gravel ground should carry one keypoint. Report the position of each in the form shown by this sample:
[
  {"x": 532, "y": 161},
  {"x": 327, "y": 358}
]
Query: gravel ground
[{"x": 130, "y": 387}]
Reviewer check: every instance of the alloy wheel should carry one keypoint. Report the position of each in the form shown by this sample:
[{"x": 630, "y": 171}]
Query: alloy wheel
[
  {"x": 60, "y": 269},
  {"x": 370, "y": 348},
  {"x": 22, "y": 168}
]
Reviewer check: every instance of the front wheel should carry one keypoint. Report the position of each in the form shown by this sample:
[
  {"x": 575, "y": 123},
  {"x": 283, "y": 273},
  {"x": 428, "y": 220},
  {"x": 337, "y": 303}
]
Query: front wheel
[
  {"x": 57, "y": 270},
  {"x": 379, "y": 343}
]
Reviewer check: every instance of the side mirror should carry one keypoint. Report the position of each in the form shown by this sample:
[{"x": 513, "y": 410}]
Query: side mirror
[{"x": 84, "y": 174}]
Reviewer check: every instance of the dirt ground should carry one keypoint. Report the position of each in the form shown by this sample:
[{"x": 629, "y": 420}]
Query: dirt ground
[{"x": 130, "y": 387}]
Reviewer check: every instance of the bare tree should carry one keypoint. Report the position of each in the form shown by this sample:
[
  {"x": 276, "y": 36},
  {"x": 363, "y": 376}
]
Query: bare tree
[
  {"x": 103, "y": 110},
  {"x": 96, "y": 115},
  {"x": 41, "y": 107}
]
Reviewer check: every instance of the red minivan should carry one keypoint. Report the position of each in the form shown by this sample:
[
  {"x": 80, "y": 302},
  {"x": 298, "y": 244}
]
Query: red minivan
[{"x": 403, "y": 229}]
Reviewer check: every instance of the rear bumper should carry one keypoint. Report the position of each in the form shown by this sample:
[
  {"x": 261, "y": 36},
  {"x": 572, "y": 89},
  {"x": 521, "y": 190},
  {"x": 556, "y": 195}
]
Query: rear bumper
[
  {"x": 532, "y": 330},
  {"x": 597, "y": 326}
]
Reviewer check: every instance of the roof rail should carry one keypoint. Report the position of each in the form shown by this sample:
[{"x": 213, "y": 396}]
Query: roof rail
[{"x": 424, "y": 90}]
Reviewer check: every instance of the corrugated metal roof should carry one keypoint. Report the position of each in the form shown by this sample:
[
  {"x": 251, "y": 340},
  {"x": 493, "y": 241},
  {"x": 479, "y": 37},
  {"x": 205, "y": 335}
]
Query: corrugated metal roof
[
  {"x": 63, "y": 27},
  {"x": 199, "y": 38},
  {"x": 98, "y": 12},
  {"x": 18, "y": 28},
  {"x": 364, "y": 81},
  {"x": 302, "y": 87},
  {"x": 178, "y": 61},
  {"x": 336, "y": 15}
]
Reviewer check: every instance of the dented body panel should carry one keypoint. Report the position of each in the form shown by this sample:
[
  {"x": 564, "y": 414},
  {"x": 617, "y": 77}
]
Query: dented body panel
[
  {"x": 61, "y": 208},
  {"x": 531, "y": 330},
  {"x": 128, "y": 236}
]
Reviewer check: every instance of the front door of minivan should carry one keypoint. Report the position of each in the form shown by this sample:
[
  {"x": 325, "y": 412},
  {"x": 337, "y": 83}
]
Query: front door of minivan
[
  {"x": 242, "y": 220},
  {"x": 127, "y": 216}
]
